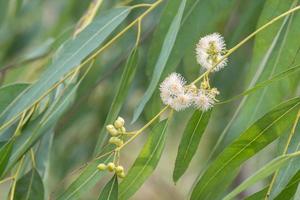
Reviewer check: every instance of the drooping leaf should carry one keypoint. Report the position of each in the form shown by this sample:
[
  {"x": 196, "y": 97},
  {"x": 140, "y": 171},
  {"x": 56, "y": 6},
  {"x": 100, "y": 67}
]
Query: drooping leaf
[
  {"x": 146, "y": 162},
  {"x": 5, "y": 152},
  {"x": 285, "y": 174},
  {"x": 251, "y": 141},
  {"x": 162, "y": 60},
  {"x": 29, "y": 187},
  {"x": 262, "y": 173},
  {"x": 68, "y": 57},
  {"x": 287, "y": 193},
  {"x": 263, "y": 84},
  {"x": 85, "y": 181},
  {"x": 123, "y": 89},
  {"x": 110, "y": 191},
  {"x": 190, "y": 141},
  {"x": 9, "y": 92}
]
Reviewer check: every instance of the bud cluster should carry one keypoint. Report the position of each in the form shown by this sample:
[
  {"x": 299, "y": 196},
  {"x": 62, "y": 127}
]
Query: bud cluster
[
  {"x": 119, "y": 170},
  {"x": 116, "y": 130}
]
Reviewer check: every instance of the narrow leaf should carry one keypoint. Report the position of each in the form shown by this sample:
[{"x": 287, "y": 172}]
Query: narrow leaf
[
  {"x": 190, "y": 141},
  {"x": 122, "y": 92},
  {"x": 29, "y": 187},
  {"x": 263, "y": 84},
  {"x": 5, "y": 152},
  {"x": 255, "y": 138},
  {"x": 264, "y": 172},
  {"x": 85, "y": 181},
  {"x": 9, "y": 92},
  {"x": 162, "y": 60},
  {"x": 146, "y": 162},
  {"x": 110, "y": 191}
]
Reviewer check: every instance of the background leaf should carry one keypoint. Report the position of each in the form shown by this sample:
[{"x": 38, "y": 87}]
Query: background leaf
[{"x": 29, "y": 187}]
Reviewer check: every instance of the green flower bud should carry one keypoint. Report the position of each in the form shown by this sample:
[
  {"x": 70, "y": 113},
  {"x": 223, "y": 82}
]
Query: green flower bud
[
  {"x": 123, "y": 130},
  {"x": 119, "y": 123},
  {"x": 121, "y": 175},
  {"x": 102, "y": 167},
  {"x": 119, "y": 169},
  {"x": 111, "y": 166}
]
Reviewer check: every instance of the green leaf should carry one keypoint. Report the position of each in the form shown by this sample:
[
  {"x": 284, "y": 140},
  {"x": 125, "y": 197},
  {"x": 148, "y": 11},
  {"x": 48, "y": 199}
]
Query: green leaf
[
  {"x": 146, "y": 162},
  {"x": 86, "y": 180},
  {"x": 110, "y": 191},
  {"x": 285, "y": 174},
  {"x": 5, "y": 152},
  {"x": 264, "y": 172},
  {"x": 29, "y": 187},
  {"x": 251, "y": 141},
  {"x": 9, "y": 92},
  {"x": 287, "y": 193},
  {"x": 190, "y": 141},
  {"x": 67, "y": 58},
  {"x": 263, "y": 84},
  {"x": 123, "y": 89},
  {"x": 162, "y": 60}
]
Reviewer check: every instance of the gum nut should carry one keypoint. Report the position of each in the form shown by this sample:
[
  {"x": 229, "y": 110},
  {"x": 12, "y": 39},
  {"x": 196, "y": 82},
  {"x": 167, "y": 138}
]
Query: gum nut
[
  {"x": 123, "y": 129},
  {"x": 119, "y": 169},
  {"x": 121, "y": 175},
  {"x": 114, "y": 132},
  {"x": 111, "y": 166},
  {"x": 119, "y": 123},
  {"x": 102, "y": 167},
  {"x": 110, "y": 127},
  {"x": 113, "y": 140}
]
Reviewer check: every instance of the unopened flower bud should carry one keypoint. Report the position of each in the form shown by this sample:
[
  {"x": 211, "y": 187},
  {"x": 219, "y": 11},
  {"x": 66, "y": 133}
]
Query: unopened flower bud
[
  {"x": 111, "y": 166},
  {"x": 119, "y": 169},
  {"x": 119, "y": 142},
  {"x": 119, "y": 123},
  {"x": 123, "y": 130},
  {"x": 112, "y": 130},
  {"x": 102, "y": 167},
  {"x": 121, "y": 175},
  {"x": 113, "y": 140}
]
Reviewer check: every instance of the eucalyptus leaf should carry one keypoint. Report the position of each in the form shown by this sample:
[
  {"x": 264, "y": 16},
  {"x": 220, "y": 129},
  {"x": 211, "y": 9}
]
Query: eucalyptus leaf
[
  {"x": 123, "y": 89},
  {"x": 262, "y": 173},
  {"x": 5, "y": 152},
  {"x": 29, "y": 187},
  {"x": 190, "y": 141},
  {"x": 110, "y": 191},
  {"x": 146, "y": 162},
  {"x": 162, "y": 60},
  {"x": 86, "y": 180},
  {"x": 9, "y": 92},
  {"x": 249, "y": 143}
]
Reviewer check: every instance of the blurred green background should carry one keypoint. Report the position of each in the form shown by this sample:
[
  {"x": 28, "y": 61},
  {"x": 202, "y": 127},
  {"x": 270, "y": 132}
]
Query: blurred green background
[{"x": 32, "y": 30}]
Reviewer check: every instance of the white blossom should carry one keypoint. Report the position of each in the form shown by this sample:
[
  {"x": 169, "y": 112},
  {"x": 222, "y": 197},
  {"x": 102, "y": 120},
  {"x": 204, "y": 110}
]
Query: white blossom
[
  {"x": 173, "y": 92},
  {"x": 210, "y": 50},
  {"x": 203, "y": 101}
]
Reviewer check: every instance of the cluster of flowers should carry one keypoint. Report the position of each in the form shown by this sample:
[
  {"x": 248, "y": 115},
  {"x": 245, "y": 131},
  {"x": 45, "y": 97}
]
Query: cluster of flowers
[
  {"x": 116, "y": 130},
  {"x": 179, "y": 96}
]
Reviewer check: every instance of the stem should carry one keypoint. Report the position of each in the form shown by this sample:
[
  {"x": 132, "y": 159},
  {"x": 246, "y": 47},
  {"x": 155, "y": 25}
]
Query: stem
[
  {"x": 143, "y": 128},
  {"x": 284, "y": 153},
  {"x": 15, "y": 179}
]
